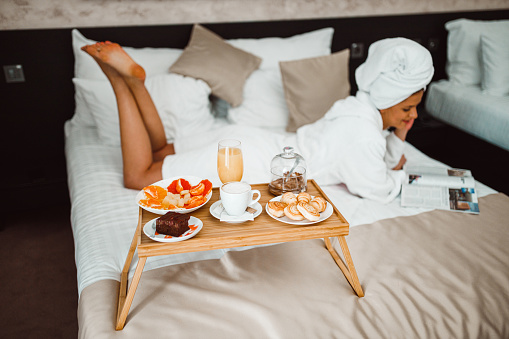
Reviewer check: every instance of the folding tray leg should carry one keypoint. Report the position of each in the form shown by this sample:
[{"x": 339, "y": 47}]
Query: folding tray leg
[
  {"x": 125, "y": 296},
  {"x": 125, "y": 305},
  {"x": 350, "y": 273}
]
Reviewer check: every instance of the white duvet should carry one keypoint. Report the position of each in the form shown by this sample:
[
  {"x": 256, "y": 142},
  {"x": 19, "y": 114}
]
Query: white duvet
[{"x": 104, "y": 213}]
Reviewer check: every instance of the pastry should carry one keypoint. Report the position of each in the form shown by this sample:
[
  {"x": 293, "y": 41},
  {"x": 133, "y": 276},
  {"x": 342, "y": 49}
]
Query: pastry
[
  {"x": 304, "y": 196},
  {"x": 276, "y": 208},
  {"x": 289, "y": 198},
  {"x": 319, "y": 204},
  {"x": 308, "y": 211},
  {"x": 293, "y": 213}
]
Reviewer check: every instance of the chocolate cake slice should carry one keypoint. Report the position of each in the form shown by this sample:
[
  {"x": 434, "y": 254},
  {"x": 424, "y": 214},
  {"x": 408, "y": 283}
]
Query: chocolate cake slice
[{"x": 174, "y": 224}]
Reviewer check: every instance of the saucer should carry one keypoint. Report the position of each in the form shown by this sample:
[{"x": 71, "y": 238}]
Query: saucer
[{"x": 256, "y": 206}]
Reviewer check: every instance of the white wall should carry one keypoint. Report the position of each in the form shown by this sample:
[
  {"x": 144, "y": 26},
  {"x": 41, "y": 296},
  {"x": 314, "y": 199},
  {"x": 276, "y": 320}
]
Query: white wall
[{"x": 33, "y": 14}]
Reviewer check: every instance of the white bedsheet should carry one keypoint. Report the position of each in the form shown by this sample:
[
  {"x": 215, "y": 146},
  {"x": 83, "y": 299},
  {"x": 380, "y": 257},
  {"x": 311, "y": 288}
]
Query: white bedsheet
[
  {"x": 104, "y": 213},
  {"x": 467, "y": 108}
]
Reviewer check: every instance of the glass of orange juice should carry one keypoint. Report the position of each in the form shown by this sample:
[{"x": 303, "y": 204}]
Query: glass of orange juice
[{"x": 230, "y": 165}]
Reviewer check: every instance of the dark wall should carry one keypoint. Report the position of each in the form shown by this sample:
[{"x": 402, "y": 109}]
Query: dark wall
[{"x": 33, "y": 113}]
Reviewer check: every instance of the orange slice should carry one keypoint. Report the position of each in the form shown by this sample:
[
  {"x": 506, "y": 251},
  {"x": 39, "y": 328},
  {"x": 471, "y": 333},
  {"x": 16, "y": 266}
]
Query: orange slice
[
  {"x": 152, "y": 203},
  {"x": 195, "y": 201},
  {"x": 198, "y": 189},
  {"x": 155, "y": 192},
  {"x": 172, "y": 188}
]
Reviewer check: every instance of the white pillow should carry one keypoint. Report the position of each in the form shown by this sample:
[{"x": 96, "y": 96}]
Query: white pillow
[
  {"x": 154, "y": 61},
  {"x": 273, "y": 50},
  {"x": 464, "y": 48},
  {"x": 495, "y": 62},
  {"x": 264, "y": 102},
  {"x": 182, "y": 102}
]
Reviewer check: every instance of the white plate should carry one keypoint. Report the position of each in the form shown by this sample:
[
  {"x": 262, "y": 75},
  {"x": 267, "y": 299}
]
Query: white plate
[
  {"x": 256, "y": 206},
  {"x": 165, "y": 183},
  {"x": 150, "y": 231},
  {"x": 323, "y": 216}
]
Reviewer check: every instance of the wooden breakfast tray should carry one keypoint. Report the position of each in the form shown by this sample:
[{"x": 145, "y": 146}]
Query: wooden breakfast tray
[{"x": 218, "y": 235}]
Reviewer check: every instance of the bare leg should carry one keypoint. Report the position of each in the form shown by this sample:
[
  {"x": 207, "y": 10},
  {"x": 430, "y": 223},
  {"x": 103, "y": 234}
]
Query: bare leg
[{"x": 143, "y": 140}]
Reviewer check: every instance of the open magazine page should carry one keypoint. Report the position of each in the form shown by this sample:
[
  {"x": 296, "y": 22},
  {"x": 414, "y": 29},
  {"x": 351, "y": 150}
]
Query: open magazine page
[{"x": 440, "y": 188}]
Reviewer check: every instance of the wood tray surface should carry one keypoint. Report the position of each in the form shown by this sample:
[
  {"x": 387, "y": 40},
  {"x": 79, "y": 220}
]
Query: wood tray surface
[{"x": 263, "y": 230}]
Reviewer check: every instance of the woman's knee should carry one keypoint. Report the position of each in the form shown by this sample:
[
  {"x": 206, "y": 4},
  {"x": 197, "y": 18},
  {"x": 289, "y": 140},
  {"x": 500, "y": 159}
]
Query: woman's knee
[
  {"x": 160, "y": 154},
  {"x": 132, "y": 182},
  {"x": 138, "y": 179}
]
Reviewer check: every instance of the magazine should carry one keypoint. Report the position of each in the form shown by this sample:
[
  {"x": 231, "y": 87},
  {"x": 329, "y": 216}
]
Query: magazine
[{"x": 450, "y": 189}]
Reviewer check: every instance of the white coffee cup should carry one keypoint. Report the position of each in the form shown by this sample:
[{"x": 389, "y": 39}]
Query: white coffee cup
[{"x": 237, "y": 196}]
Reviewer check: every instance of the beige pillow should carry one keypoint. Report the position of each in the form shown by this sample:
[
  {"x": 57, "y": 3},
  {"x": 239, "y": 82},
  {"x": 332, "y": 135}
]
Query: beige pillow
[
  {"x": 223, "y": 67},
  {"x": 313, "y": 85}
]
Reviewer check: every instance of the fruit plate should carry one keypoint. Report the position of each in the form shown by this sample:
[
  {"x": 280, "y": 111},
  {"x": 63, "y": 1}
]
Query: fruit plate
[{"x": 164, "y": 184}]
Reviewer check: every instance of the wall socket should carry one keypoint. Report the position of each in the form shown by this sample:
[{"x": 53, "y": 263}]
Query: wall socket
[
  {"x": 14, "y": 73},
  {"x": 357, "y": 50},
  {"x": 433, "y": 44}
]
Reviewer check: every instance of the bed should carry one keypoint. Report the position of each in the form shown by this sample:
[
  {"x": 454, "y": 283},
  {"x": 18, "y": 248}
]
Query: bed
[
  {"x": 475, "y": 96},
  {"x": 425, "y": 273}
]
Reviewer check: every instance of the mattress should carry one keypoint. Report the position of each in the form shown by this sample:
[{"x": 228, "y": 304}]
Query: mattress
[
  {"x": 467, "y": 108},
  {"x": 104, "y": 213}
]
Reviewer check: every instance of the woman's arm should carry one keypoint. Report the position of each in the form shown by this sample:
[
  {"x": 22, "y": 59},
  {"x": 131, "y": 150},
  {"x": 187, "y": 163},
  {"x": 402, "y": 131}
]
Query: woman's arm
[
  {"x": 400, "y": 164},
  {"x": 365, "y": 173},
  {"x": 401, "y": 133}
]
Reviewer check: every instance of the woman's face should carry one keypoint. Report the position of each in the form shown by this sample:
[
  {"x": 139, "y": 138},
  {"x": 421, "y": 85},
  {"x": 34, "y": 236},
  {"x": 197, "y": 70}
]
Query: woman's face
[{"x": 402, "y": 114}]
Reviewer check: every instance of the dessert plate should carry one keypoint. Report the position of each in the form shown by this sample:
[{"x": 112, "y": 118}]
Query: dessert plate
[
  {"x": 323, "y": 216},
  {"x": 165, "y": 183},
  {"x": 149, "y": 229},
  {"x": 256, "y": 206}
]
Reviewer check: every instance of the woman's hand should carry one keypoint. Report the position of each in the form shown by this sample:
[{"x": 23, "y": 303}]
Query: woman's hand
[
  {"x": 400, "y": 164},
  {"x": 402, "y": 132}
]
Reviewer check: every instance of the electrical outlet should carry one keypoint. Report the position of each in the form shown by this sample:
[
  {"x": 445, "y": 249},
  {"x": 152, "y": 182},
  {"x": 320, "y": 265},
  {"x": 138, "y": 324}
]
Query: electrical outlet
[
  {"x": 432, "y": 44},
  {"x": 14, "y": 73},
  {"x": 357, "y": 50}
]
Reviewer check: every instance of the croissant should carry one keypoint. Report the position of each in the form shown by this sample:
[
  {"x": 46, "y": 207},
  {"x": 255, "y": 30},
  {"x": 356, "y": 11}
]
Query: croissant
[
  {"x": 276, "y": 208},
  {"x": 304, "y": 196},
  {"x": 319, "y": 204},
  {"x": 293, "y": 213},
  {"x": 289, "y": 198},
  {"x": 308, "y": 211}
]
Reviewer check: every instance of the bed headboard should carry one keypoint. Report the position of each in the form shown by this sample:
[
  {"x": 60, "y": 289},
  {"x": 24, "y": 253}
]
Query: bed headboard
[{"x": 33, "y": 112}]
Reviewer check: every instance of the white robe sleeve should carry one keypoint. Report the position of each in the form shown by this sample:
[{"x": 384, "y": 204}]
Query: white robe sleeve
[
  {"x": 395, "y": 147},
  {"x": 365, "y": 172}
]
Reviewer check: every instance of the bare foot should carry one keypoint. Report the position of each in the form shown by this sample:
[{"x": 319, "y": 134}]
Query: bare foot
[{"x": 111, "y": 55}]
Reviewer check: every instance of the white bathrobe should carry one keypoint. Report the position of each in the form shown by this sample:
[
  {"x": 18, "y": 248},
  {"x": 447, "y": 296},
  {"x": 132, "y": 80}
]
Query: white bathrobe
[{"x": 348, "y": 145}]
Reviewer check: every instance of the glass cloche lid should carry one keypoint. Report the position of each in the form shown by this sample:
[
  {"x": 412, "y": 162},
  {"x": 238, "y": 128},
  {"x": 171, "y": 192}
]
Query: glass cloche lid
[{"x": 288, "y": 172}]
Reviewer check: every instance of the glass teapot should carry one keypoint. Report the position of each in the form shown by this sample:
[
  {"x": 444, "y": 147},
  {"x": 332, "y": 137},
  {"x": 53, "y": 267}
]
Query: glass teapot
[{"x": 288, "y": 173}]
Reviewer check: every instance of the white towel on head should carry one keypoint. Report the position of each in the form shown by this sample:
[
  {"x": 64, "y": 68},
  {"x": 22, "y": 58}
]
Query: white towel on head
[{"x": 394, "y": 69}]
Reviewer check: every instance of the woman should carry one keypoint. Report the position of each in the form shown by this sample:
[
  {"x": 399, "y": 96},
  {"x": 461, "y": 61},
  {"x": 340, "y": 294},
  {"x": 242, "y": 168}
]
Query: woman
[
  {"x": 359, "y": 151},
  {"x": 347, "y": 145}
]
